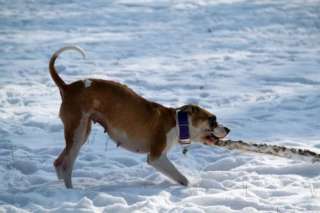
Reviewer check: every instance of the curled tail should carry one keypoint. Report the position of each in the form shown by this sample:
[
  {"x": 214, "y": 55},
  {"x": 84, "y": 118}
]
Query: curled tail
[
  {"x": 54, "y": 75},
  {"x": 281, "y": 151}
]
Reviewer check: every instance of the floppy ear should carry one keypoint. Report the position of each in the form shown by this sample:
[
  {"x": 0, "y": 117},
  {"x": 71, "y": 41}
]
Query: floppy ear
[{"x": 190, "y": 108}]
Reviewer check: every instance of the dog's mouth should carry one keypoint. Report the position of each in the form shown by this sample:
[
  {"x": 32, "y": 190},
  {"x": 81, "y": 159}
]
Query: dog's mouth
[
  {"x": 213, "y": 136},
  {"x": 210, "y": 139}
]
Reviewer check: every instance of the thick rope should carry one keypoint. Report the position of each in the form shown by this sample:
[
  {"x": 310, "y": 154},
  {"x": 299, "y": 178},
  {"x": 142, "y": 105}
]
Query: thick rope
[{"x": 281, "y": 151}]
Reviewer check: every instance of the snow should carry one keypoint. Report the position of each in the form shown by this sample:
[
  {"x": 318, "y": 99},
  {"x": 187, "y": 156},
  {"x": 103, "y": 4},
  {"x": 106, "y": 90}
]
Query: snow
[{"x": 255, "y": 64}]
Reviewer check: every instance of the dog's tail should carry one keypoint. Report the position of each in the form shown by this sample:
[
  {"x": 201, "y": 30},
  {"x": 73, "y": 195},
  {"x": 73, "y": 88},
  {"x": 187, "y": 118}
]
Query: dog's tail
[
  {"x": 281, "y": 151},
  {"x": 54, "y": 75}
]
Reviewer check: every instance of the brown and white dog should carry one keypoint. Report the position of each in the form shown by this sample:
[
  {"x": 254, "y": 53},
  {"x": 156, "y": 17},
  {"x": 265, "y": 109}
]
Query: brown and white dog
[{"x": 130, "y": 120}]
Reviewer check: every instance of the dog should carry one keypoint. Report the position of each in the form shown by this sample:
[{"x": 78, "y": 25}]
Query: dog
[{"x": 132, "y": 122}]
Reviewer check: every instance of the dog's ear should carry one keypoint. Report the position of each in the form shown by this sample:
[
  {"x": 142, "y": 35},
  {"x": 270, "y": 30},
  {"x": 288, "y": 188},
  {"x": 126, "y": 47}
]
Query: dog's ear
[{"x": 190, "y": 109}]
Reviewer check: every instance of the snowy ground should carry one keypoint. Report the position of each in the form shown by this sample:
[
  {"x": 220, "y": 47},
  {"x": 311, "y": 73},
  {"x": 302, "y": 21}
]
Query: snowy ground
[{"x": 255, "y": 64}]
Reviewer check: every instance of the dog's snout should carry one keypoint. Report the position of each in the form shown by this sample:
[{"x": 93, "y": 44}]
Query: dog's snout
[
  {"x": 227, "y": 130},
  {"x": 220, "y": 131}
]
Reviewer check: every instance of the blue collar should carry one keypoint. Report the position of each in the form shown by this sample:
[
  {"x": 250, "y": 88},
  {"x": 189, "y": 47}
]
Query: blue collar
[{"x": 183, "y": 124}]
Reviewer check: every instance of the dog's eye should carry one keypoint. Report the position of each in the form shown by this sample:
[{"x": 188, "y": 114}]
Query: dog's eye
[{"x": 213, "y": 121}]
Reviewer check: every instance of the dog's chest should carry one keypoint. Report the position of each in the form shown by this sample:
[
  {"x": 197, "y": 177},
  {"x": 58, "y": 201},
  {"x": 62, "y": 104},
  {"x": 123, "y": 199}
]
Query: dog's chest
[
  {"x": 171, "y": 139},
  {"x": 122, "y": 139}
]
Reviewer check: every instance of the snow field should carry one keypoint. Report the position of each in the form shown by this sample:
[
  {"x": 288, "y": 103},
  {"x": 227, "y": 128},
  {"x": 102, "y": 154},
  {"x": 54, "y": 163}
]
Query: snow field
[{"x": 255, "y": 64}]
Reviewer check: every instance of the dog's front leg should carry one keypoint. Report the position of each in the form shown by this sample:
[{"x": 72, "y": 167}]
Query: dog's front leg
[{"x": 163, "y": 165}]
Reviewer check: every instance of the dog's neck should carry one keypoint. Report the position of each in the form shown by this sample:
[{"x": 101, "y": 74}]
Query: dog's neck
[
  {"x": 170, "y": 117},
  {"x": 182, "y": 121}
]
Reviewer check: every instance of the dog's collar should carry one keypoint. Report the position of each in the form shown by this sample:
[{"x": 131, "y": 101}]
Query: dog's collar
[{"x": 183, "y": 127}]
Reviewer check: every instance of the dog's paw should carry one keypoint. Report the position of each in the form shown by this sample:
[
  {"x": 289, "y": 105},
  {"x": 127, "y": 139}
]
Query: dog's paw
[{"x": 183, "y": 181}]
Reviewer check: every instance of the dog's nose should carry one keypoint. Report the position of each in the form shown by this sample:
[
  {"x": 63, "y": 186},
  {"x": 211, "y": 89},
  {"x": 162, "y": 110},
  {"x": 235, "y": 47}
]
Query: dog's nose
[{"x": 227, "y": 130}]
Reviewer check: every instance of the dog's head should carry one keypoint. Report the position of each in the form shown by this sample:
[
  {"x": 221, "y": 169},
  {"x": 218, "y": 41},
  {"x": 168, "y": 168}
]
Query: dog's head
[{"x": 203, "y": 125}]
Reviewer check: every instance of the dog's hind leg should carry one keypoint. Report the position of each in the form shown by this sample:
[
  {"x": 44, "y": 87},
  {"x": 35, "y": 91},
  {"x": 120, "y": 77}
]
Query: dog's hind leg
[
  {"x": 57, "y": 164},
  {"x": 163, "y": 165},
  {"x": 76, "y": 133}
]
